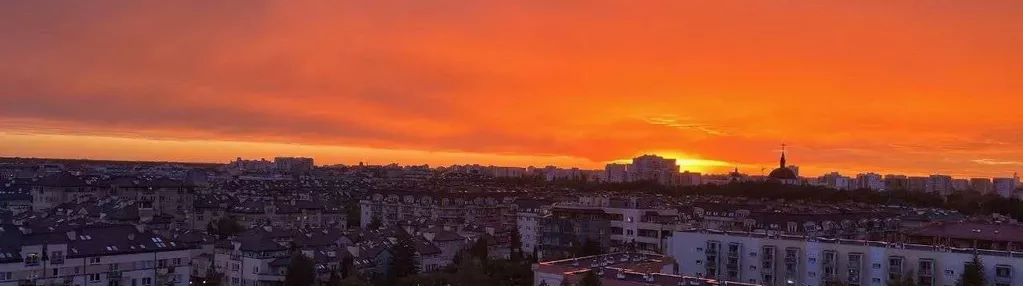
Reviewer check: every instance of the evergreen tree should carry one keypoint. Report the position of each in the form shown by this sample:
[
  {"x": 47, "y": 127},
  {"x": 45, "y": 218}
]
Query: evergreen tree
[
  {"x": 347, "y": 267},
  {"x": 470, "y": 272},
  {"x": 590, "y": 279},
  {"x": 403, "y": 262},
  {"x": 228, "y": 226},
  {"x": 973, "y": 273},
  {"x": 480, "y": 251},
  {"x": 375, "y": 223},
  {"x": 589, "y": 248},
  {"x": 301, "y": 271},
  {"x": 515, "y": 246},
  {"x": 213, "y": 277},
  {"x": 335, "y": 278},
  {"x": 353, "y": 213}
]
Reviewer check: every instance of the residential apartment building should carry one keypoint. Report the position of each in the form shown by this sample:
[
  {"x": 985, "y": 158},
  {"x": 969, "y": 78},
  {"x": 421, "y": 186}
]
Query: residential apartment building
[
  {"x": 940, "y": 184},
  {"x": 528, "y": 215},
  {"x": 870, "y": 181},
  {"x": 293, "y": 164},
  {"x": 759, "y": 258},
  {"x": 653, "y": 168},
  {"x": 896, "y": 182},
  {"x": 97, "y": 254},
  {"x": 639, "y": 223},
  {"x": 616, "y": 173},
  {"x": 442, "y": 208},
  {"x": 1004, "y": 187}
]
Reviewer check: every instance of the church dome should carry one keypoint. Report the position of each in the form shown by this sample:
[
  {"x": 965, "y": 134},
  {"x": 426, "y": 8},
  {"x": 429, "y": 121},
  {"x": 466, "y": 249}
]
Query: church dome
[{"x": 783, "y": 173}]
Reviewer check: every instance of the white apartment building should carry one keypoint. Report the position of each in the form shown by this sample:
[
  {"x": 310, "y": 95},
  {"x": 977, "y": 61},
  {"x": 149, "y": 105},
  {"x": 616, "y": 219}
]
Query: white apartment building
[
  {"x": 940, "y": 184},
  {"x": 871, "y": 181},
  {"x": 616, "y": 173},
  {"x": 1004, "y": 186},
  {"x": 527, "y": 220},
  {"x": 445, "y": 208},
  {"x": 797, "y": 260},
  {"x": 251, "y": 261},
  {"x": 91, "y": 255}
]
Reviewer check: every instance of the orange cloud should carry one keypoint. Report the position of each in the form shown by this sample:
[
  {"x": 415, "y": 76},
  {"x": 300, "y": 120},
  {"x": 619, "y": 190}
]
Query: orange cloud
[{"x": 924, "y": 87}]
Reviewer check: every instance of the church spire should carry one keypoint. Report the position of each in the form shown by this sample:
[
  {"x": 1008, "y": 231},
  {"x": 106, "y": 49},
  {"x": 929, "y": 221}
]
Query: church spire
[{"x": 783, "y": 155}]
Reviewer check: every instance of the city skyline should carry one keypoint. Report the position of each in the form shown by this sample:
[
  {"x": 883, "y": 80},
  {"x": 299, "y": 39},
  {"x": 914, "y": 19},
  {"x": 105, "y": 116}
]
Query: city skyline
[{"x": 905, "y": 88}]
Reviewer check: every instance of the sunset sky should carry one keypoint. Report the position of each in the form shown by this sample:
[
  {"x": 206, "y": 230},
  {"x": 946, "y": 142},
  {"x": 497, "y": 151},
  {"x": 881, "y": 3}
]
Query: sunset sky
[{"x": 913, "y": 87}]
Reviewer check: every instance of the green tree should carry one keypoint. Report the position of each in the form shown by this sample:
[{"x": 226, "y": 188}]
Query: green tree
[
  {"x": 908, "y": 279},
  {"x": 470, "y": 272},
  {"x": 228, "y": 226},
  {"x": 515, "y": 246},
  {"x": 973, "y": 273},
  {"x": 480, "y": 251},
  {"x": 403, "y": 262},
  {"x": 590, "y": 279},
  {"x": 301, "y": 271},
  {"x": 213, "y": 278},
  {"x": 353, "y": 213},
  {"x": 375, "y": 223},
  {"x": 589, "y": 248},
  {"x": 335, "y": 278}
]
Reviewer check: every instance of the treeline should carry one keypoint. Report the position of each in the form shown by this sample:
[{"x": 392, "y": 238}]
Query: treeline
[{"x": 965, "y": 202}]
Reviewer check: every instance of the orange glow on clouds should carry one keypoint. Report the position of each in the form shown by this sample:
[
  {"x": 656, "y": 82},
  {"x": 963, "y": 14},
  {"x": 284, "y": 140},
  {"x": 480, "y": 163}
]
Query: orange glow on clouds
[{"x": 913, "y": 87}]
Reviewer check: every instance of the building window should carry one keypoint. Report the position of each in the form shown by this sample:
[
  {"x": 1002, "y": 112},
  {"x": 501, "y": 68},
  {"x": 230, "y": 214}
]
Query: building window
[
  {"x": 32, "y": 259},
  {"x": 234, "y": 281},
  {"x": 177, "y": 261},
  {"x": 57, "y": 257},
  {"x": 161, "y": 263},
  {"x": 149, "y": 281},
  {"x": 55, "y": 272},
  {"x": 255, "y": 269},
  {"x": 5, "y": 276},
  {"x": 94, "y": 277},
  {"x": 235, "y": 267},
  {"x": 93, "y": 260},
  {"x": 115, "y": 267},
  {"x": 1003, "y": 271}
]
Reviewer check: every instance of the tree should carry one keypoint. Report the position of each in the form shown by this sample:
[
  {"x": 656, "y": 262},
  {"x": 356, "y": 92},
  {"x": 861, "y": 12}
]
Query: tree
[
  {"x": 590, "y": 279},
  {"x": 908, "y": 279},
  {"x": 403, "y": 262},
  {"x": 213, "y": 278},
  {"x": 335, "y": 278},
  {"x": 228, "y": 226},
  {"x": 375, "y": 223},
  {"x": 353, "y": 213},
  {"x": 347, "y": 267},
  {"x": 515, "y": 247},
  {"x": 973, "y": 273},
  {"x": 589, "y": 248},
  {"x": 470, "y": 272},
  {"x": 480, "y": 251},
  {"x": 301, "y": 271}
]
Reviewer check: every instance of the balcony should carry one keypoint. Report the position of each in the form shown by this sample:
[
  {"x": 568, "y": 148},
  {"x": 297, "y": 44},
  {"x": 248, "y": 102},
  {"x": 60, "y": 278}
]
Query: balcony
[{"x": 270, "y": 277}]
